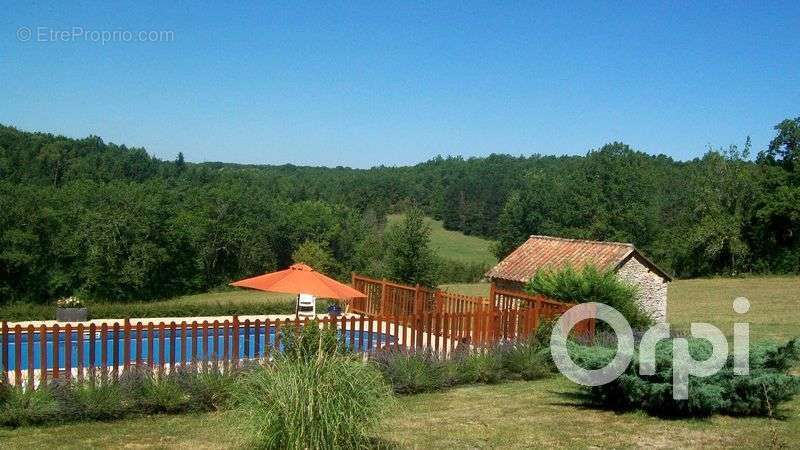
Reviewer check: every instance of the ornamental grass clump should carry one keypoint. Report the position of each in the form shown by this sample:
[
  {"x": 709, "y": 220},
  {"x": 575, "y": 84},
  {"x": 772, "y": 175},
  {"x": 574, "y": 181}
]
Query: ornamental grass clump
[
  {"x": 310, "y": 340},
  {"x": 330, "y": 401},
  {"x": 528, "y": 359},
  {"x": 151, "y": 392},
  {"x": 206, "y": 390},
  {"x": 164, "y": 395},
  {"x": 5, "y": 389}
]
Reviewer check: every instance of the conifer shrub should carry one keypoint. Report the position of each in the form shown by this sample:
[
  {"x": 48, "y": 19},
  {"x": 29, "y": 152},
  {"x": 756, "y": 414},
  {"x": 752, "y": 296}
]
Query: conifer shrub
[{"x": 769, "y": 383}]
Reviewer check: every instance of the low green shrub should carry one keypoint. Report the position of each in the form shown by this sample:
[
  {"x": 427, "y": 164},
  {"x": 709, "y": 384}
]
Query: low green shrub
[
  {"x": 5, "y": 390},
  {"x": 541, "y": 334},
  {"x": 526, "y": 360},
  {"x": 207, "y": 391},
  {"x": 164, "y": 394},
  {"x": 28, "y": 407},
  {"x": 529, "y": 359},
  {"x": 132, "y": 381},
  {"x": 87, "y": 401},
  {"x": 482, "y": 367},
  {"x": 138, "y": 391},
  {"x": 326, "y": 402},
  {"x": 412, "y": 371},
  {"x": 153, "y": 393},
  {"x": 590, "y": 284},
  {"x": 768, "y": 384},
  {"x": 416, "y": 371}
]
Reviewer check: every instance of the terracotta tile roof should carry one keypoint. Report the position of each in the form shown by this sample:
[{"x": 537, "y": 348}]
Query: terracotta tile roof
[{"x": 546, "y": 251}]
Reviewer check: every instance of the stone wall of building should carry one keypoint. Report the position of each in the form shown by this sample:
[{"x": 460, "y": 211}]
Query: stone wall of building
[{"x": 652, "y": 287}]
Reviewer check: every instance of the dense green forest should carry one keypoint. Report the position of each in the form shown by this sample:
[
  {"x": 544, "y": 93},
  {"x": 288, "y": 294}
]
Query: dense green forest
[{"x": 111, "y": 222}]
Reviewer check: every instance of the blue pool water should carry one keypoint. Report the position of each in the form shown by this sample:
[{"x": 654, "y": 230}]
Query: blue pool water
[{"x": 194, "y": 347}]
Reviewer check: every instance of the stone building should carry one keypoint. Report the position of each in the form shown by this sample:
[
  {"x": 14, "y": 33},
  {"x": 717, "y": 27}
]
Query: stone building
[{"x": 538, "y": 252}]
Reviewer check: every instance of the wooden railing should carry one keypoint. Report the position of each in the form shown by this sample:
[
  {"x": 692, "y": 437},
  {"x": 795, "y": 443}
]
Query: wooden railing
[
  {"x": 33, "y": 356},
  {"x": 389, "y": 299},
  {"x": 459, "y": 303},
  {"x": 392, "y": 316}
]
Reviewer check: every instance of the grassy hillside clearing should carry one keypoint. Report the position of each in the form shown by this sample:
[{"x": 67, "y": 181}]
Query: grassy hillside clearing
[{"x": 455, "y": 245}]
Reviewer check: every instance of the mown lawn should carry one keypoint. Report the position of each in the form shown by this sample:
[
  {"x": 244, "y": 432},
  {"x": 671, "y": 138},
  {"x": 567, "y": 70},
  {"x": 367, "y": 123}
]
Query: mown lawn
[
  {"x": 539, "y": 414},
  {"x": 455, "y": 245},
  {"x": 774, "y": 305}
]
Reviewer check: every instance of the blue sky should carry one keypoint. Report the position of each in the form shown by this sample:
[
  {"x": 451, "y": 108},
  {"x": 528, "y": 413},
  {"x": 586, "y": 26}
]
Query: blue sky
[{"x": 361, "y": 84}]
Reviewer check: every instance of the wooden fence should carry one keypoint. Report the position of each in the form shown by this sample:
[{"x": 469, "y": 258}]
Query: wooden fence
[
  {"x": 389, "y": 299},
  {"x": 33, "y": 356},
  {"x": 392, "y": 316}
]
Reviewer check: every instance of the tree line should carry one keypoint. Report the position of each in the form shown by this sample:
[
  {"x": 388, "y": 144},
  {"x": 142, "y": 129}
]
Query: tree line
[{"x": 83, "y": 215}]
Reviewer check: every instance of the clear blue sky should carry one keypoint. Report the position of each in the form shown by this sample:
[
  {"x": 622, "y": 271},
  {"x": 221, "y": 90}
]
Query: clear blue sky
[{"x": 373, "y": 83}]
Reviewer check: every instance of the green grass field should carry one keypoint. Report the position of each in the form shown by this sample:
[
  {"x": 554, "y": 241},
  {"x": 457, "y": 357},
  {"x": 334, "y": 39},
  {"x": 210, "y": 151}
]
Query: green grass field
[
  {"x": 222, "y": 303},
  {"x": 540, "y": 414},
  {"x": 774, "y": 303},
  {"x": 454, "y": 244}
]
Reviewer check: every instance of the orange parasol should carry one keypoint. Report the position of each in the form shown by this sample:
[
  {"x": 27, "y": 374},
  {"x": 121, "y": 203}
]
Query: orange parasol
[{"x": 300, "y": 279}]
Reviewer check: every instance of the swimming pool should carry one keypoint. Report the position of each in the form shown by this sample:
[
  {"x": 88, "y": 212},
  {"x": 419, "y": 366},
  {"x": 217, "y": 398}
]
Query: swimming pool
[{"x": 177, "y": 346}]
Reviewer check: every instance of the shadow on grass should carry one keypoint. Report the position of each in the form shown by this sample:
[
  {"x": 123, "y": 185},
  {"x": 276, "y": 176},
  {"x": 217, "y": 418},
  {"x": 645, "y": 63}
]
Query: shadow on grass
[{"x": 582, "y": 400}]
